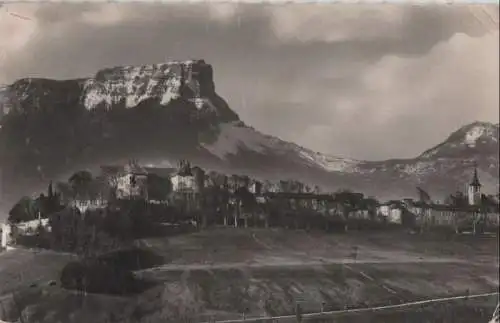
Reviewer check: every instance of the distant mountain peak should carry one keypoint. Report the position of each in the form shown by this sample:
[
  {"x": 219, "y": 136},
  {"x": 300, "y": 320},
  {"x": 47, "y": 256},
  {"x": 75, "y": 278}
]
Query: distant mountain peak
[{"x": 466, "y": 141}]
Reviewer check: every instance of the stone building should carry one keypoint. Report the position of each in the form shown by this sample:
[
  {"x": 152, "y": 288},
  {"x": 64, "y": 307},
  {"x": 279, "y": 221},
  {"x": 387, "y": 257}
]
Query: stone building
[
  {"x": 6, "y": 231},
  {"x": 133, "y": 182},
  {"x": 188, "y": 185},
  {"x": 188, "y": 179}
]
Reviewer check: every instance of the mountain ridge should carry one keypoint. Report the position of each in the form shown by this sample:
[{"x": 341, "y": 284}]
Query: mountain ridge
[
  {"x": 161, "y": 112},
  {"x": 412, "y": 168}
]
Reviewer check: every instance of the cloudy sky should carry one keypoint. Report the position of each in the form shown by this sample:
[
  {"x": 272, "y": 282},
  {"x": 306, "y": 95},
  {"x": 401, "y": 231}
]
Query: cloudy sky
[{"x": 361, "y": 81}]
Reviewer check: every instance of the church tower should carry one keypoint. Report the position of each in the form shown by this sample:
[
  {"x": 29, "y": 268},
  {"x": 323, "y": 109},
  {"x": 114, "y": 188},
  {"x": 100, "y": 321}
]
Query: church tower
[{"x": 474, "y": 190}]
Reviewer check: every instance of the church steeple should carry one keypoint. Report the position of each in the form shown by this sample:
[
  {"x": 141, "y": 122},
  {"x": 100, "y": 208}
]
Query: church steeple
[
  {"x": 474, "y": 189},
  {"x": 475, "y": 179}
]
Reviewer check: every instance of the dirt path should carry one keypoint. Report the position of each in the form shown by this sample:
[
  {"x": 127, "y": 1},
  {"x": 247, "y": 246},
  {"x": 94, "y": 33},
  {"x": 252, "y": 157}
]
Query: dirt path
[{"x": 299, "y": 264}]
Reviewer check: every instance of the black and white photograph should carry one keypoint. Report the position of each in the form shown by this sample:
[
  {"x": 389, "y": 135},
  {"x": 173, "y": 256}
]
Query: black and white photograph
[{"x": 232, "y": 162}]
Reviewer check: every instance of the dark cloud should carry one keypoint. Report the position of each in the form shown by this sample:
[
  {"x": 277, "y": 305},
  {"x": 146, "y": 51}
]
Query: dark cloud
[{"x": 338, "y": 79}]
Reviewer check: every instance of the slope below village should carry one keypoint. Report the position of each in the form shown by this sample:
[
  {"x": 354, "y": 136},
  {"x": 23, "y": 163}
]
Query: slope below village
[{"x": 224, "y": 273}]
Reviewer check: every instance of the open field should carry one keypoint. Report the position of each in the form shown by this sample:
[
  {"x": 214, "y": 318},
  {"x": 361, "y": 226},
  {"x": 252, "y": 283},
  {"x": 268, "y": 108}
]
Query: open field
[
  {"x": 226, "y": 245},
  {"x": 226, "y": 293},
  {"x": 62, "y": 306},
  {"x": 21, "y": 267},
  {"x": 222, "y": 273}
]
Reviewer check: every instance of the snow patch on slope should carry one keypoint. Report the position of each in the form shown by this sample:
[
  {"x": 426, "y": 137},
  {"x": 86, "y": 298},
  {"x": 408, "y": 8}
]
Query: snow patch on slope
[
  {"x": 331, "y": 163},
  {"x": 473, "y": 135},
  {"x": 234, "y": 136},
  {"x": 418, "y": 168}
]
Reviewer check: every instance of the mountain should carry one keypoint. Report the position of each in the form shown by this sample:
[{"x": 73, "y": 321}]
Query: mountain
[
  {"x": 162, "y": 112},
  {"x": 441, "y": 170},
  {"x": 53, "y": 127}
]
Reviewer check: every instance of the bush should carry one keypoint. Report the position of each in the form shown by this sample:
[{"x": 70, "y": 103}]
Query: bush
[
  {"x": 100, "y": 277},
  {"x": 42, "y": 242}
]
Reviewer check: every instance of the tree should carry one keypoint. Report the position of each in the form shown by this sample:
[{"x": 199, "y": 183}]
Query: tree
[
  {"x": 213, "y": 198},
  {"x": 50, "y": 191},
  {"x": 246, "y": 198},
  {"x": 26, "y": 209},
  {"x": 80, "y": 183},
  {"x": 43, "y": 204},
  {"x": 64, "y": 228},
  {"x": 212, "y": 203},
  {"x": 64, "y": 191},
  {"x": 371, "y": 204},
  {"x": 50, "y": 203},
  {"x": 297, "y": 186},
  {"x": 285, "y": 186},
  {"x": 487, "y": 204},
  {"x": 458, "y": 200},
  {"x": 91, "y": 235},
  {"x": 159, "y": 188},
  {"x": 349, "y": 202}
]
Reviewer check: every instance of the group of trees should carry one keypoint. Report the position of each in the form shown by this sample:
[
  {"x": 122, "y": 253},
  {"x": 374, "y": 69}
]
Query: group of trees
[
  {"x": 465, "y": 216},
  {"x": 158, "y": 187},
  {"x": 99, "y": 237},
  {"x": 460, "y": 200},
  {"x": 80, "y": 185},
  {"x": 280, "y": 207},
  {"x": 105, "y": 229},
  {"x": 86, "y": 235},
  {"x": 95, "y": 232},
  {"x": 103, "y": 239},
  {"x": 32, "y": 208}
]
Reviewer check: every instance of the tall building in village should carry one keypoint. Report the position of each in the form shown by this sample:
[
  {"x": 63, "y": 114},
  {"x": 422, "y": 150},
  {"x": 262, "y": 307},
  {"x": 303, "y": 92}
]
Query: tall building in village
[
  {"x": 184, "y": 180},
  {"x": 474, "y": 190},
  {"x": 188, "y": 184},
  {"x": 133, "y": 182}
]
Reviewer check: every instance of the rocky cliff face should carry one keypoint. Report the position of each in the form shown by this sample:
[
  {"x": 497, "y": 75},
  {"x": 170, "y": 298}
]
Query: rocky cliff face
[
  {"x": 124, "y": 86},
  {"x": 132, "y": 85},
  {"x": 159, "y": 113}
]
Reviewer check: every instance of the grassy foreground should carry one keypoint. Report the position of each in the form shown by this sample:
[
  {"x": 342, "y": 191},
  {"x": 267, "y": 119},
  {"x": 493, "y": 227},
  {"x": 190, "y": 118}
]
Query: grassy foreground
[{"x": 222, "y": 273}]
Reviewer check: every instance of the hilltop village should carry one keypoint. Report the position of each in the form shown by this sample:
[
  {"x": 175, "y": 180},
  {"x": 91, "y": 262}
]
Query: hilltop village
[{"x": 189, "y": 194}]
